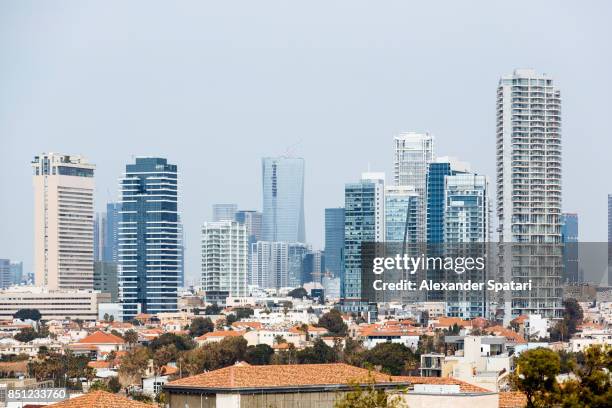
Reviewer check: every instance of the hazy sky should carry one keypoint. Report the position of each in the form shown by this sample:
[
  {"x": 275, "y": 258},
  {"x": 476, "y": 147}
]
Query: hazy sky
[{"x": 214, "y": 86}]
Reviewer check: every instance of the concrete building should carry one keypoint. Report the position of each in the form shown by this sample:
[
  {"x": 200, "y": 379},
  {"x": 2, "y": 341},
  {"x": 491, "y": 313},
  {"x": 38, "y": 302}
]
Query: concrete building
[
  {"x": 412, "y": 154},
  {"x": 149, "y": 243},
  {"x": 529, "y": 190},
  {"x": 63, "y": 221},
  {"x": 283, "y": 199},
  {"x": 224, "y": 260},
  {"x": 53, "y": 305}
]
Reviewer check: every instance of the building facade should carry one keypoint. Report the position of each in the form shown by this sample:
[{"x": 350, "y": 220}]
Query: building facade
[
  {"x": 149, "y": 245},
  {"x": 412, "y": 154},
  {"x": 224, "y": 212},
  {"x": 6, "y": 276},
  {"x": 334, "y": 241},
  {"x": 529, "y": 189},
  {"x": 283, "y": 199},
  {"x": 401, "y": 214},
  {"x": 224, "y": 260},
  {"x": 270, "y": 264},
  {"x": 569, "y": 237},
  {"x": 105, "y": 279},
  {"x": 110, "y": 250},
  {"x": 63, "y": 221}
]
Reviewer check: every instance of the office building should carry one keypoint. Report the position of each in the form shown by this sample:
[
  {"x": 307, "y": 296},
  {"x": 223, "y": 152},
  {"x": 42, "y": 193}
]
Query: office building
[
  {"x": 283, "y": 199},
  {"x": 224, "y": 260},
  {"x": 569, "y": 237},
  {"x": 63, "y": 221},
  {"x": 105, "y": 279},
  {"x": 364, "y": 222},
  {"x": 52, "y": 304},
  {"x": 224, "y": 212},
  {"x": 149, "y": 244},
  {"x": 6, "y": 275},
  {"x": 110, "y": 250},
  {"x": 529, "y": 191},
  {"x": 98, "y": 235},
  {"x": 270, "y": 264},
  {"x": 401, "y": 214},
  {"x": 334, "y": 241},
  {"x": 313, "y": 266},
  {"x": 413, "y": 152},
  {"x": 438, "y": 170},
  {"x": 296, "y": 252},
  {"x": 17, "y": 272},
  {"x": 252, "y": 220}
]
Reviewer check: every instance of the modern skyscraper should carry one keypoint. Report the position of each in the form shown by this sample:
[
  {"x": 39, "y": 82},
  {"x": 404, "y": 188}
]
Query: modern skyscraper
[
  {"x": 529, "y": 189},
  {"x": 283, "y": 199},
  {"x": 569, "y": 237},
  {"x": 224, "y": 212},
  {"x": 224, "y": 260},
  {"x": 99, "y": 230},
  {"x": 252, "y": 220},
  {"x": 149, "y": 250},
  {"x": 110, "y": 250},
  {"x": 442, "y": 167},
  {"x": 63, "y": 221},
  {"x": 313, "y": 266},
  {"x": 6, "y": 277},
  {"x": 296, "y": 252},
  {"x": 413, "y": 152},
  {"x": 17, "y": 272},
  {"x": 364, "y": 222},
  {"x": 105, "y": 279},
  {"x": 334, "y": 241},
  {"x": 401, "y": 214},
  {"x": 270, "y": 264}
]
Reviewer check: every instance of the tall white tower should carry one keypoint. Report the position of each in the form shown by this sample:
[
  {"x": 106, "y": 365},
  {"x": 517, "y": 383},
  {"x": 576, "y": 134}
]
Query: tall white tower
[
  {"x": 412, "y": 154},
  {"x": 529, "y": 187},
  {"x": 63, "y": 221}
]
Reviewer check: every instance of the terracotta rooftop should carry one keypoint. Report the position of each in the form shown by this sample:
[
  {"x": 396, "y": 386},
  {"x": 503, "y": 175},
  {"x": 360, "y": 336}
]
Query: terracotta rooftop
[
  {"x": 507, "y": 333},
  {"x": 514, "y": 399},
  {"x": 220, "y": 333},
  {"x": 271, "y": 376},
  {"x": 100, "y": 399},
  {"x": 99, "y": 364},
  {"x": 101, "y": 338}
]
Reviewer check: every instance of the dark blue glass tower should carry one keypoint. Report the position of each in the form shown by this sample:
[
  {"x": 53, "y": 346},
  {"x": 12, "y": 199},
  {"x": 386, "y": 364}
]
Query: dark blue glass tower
[
  {"x": 334, "y": 240},
  {"x": 149, "y": 249}
]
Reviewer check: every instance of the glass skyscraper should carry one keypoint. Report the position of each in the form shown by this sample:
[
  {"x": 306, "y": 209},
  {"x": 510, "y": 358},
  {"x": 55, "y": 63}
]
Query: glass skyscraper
[
  {"x": 334, "y": 240},
  {"x": 569, "y": 236},
  {"x": 111, "y": 233},
  {"x": 149, "y": 249},
  {"x": 283, "y": 199},
  {"x": 401, "y": 214}
]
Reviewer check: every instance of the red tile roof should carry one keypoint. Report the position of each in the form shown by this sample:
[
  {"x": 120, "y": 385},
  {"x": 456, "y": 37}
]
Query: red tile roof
[
  {"x": 220, "y": 333},
  {"x": 101, "y": 338},
  {"x": 100, "y": 399},
  {"x": 514, "y": 399}
]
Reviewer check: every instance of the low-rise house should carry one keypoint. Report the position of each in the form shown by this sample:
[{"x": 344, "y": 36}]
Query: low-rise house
[
  {"x": 101, "y": 342},
  {"x": 315, "y": 386},
  {"x": 217, "y": 336},
  {"x": 590, "y": 336}
]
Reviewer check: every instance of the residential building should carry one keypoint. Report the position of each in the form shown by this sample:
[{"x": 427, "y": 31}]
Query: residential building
[
  {"x": 149, "y": 245},
  {"x": 569, "y": 238},
  {"x": 413, "y": 152},
  {"x": 63, "y": 221},
  {"x": 334, "y": 241},
  {"x": 224, "y": 212},
  {"x": 529, "y": 191},
  {"x": 283, "y": 199},
  {"x": 52, "y": 304},
  {"x": 105, "y": 279},
  {"x": 17, "y": 272},
  {"x": 270, "y": 264},
  {"x": 252, "y": 220},
  {"x": 224, "y": 260},
  {"x": 401, "y": 214}
]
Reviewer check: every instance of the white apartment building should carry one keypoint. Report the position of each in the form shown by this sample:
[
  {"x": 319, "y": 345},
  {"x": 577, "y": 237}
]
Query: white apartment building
[
  {"x": 63, "y": 221},
  {"x": 529, "y": 188},
  {"x": 412, "y": 154},
  {"x": 52, "y": 304},
  {"x": 224, "y": 260},
  {"x": 270, "y": 264},
  {"x": 378, "y": 178}
]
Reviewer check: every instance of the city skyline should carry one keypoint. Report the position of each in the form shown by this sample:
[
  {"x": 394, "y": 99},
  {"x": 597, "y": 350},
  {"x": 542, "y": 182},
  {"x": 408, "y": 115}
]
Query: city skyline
[{"x": 343, "y": 135}]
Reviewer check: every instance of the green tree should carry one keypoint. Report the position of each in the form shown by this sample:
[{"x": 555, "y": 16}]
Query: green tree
[
  {"x": 134, "y": 363},
  {"x": 368, "y": 396},
  {"x": 182, "y": 343},
  {"x": 298, "y": 293},
  {"x": 593, "y": 386},
  {"x": 99, "y": 385},
  {"x": 212, "y": 309},
  {"x": 390, "y": 357},
  {"x": 572, "y": 317},
  {"x": 114, "y": 385},
  {"x": 130, "y": 337},
  {"x": 260, "y": 354},
  {"x": 200, "y": 326},
  {"x": 319, "y": 353},
  {"x": 333, "y": 322},
  {"x": 535, "y": 375},
  {"x": 26, "y": 335},
  {"x": 243, "y": 312},
  {"x": 25, "y": 314}
]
